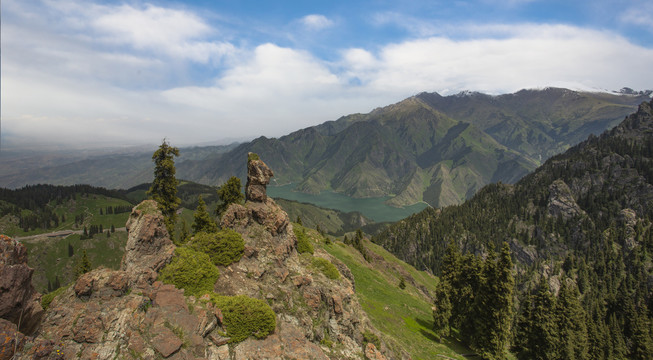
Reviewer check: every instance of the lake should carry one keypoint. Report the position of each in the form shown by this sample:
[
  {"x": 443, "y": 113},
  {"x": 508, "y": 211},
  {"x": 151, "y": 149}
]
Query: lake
[{"x": 373, "y": 208}]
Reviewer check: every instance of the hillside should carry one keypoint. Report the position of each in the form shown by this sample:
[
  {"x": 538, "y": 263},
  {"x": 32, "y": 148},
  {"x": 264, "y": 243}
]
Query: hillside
[
  {"x": 430, "y": 148},
  {"x": 439, "y": 150},
  {"x": 289, "y": 292},
  {"x": 583, "y": 217}
]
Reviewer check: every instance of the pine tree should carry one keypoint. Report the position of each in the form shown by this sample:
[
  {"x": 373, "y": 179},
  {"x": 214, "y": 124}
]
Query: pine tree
[
  {"x": 537, "y": 333},
  {"x": 113, "y": 228},
  {"x": 442, "y": 310},
  {"x": 71, "y": 251},
  {"x": 164, "y": 186},
  {"x": 83, "y": 265},
  {"x": 202, "y": 221},
  {"x": 183, "y": 234},
  {"x": 570, "y": 318},
  {"x": 299, "y": 220},
  {"x": 229, "y": 193}
]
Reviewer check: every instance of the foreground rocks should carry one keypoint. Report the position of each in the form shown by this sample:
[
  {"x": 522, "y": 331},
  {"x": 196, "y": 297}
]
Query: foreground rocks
[
  {"x": 127, "y": 313},
  {"x": 19, "y": 302}
]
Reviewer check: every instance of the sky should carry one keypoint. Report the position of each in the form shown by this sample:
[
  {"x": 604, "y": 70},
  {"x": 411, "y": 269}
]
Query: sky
[{"x": 97, "y": 73}]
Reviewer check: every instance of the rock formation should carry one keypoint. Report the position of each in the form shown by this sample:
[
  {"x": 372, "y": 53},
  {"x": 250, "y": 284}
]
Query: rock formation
[
  {"x": 19, "y": 302},
  {"x": 561, "y": 201},
  {"x": 149, "y": 247},
  {"x": 258, "y": 177},
  {"x": 127, "y": 313}
]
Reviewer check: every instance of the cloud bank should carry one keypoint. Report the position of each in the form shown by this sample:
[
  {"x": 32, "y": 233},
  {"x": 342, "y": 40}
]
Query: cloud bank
[{"x": 135, "y": 74}]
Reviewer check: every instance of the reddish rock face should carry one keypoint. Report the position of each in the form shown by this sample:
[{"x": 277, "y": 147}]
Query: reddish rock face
[
  {"x": 258, "y": 176},
  {"x": 149, "y": 247},
  {"x": 19, "y": 302}
]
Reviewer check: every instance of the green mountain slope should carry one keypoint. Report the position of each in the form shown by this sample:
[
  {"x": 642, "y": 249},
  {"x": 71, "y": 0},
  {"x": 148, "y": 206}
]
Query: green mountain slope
[
  {"x": 430, "y": 148},
  {"x": 584, "y": 217}
]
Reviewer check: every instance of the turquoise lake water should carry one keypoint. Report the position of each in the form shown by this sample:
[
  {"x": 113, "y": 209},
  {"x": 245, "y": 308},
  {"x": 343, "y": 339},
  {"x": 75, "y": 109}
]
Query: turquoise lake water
[{"x": 373, "y": 208}]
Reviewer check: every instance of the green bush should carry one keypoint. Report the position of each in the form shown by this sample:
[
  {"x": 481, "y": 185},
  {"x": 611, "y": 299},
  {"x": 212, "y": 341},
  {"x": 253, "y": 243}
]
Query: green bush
[
  {"x": 223, "y": 247},
  {"x": 245, "y": 316},
  {"x": 47, "y": 298},
  {"x": 326, "y": 267},
  {"x": 190, "y": 270},
  {"x": 303, "y": 243},
  {"x": 252, "y": 156}
]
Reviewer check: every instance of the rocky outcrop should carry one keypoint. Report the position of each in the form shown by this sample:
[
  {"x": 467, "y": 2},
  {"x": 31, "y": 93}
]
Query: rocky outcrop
[
  {"x": 561, "y": 201},
  {"x": 149, "y": 247},
  {"x": 19, "y": 302},
  {"x": 126, "y": 313},
  {"x": 258, "y": 177}
]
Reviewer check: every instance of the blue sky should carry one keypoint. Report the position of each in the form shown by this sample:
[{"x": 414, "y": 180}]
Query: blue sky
[{"x": 97, "y": 73}]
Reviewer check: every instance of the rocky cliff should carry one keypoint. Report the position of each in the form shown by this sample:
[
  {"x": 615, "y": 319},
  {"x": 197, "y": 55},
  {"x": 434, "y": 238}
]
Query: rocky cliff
[{"x": 128, "y": 313}]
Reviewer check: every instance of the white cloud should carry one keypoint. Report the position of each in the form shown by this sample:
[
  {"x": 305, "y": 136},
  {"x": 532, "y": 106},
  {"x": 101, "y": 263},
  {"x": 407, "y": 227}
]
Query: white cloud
[
  {"x": 77, "y": 71},
  {"x": 639, "y": 14},
  {"x": 173, "y": 32},
  {"x": 316, "y": 22}
]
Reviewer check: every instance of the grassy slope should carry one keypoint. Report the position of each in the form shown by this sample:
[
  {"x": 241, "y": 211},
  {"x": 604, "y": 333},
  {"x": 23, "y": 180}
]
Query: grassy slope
[
  {"x": 89, "y": 205},
  {"x": 49, "y": 256},
  {"x": 404, "y": 316}
]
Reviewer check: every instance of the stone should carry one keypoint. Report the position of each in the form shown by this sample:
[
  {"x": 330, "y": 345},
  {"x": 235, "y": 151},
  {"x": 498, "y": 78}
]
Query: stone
[
  {"x": 258, "y": 176},
  {"x": 337, "y": 303},
  {"x": 218, "y": 339},
  {"x": 88, "y": 328},
  {"x": 313, "y": 297},
  {"x": 561, "y": 201},
  {"x": 19, "y": 302},
  {"x": 11, "y": 340},
  {"x": 149, "y": 247},
  {"x": 168, "y": 297},
  {"x": 372, "y": 353},
  {"x": 166, "y": 342}
]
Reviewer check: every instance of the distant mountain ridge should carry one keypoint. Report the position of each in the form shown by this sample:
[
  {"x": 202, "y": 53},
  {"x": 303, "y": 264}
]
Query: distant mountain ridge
[{"x": 429, "y": 148}]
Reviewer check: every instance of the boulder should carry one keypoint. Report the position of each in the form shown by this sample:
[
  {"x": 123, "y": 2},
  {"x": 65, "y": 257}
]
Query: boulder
[
  {"x": 19, "y": 302},
  {"x": 258, "y": 176},
  {"x": 561, "y": 201},
  {"x": 149, "y": 247}
]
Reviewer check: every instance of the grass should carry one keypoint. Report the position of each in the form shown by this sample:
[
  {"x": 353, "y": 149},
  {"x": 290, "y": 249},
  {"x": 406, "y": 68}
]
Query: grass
[
  {"x": 404, "y": 316},
  {"x": 49, "y": 257},
  {"x": 88, "y": 205}
]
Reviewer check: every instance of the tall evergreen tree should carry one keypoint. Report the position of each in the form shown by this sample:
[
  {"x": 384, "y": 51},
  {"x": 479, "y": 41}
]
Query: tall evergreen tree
[
  {"x": 164, "y": 186},
  {"x": 202, "y": 221},
  {"x": 570, "y": 318},
  {"x": 442, "y": 310},
  {"x": 229, "y": 193},
  {"x": 83, "y": 265},
  {"x": 537, "y": 333}
]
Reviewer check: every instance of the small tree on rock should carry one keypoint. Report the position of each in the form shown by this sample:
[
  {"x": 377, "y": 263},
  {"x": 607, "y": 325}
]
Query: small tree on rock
[
  {"x": 164, "y": 186},
  {"x": 229, "y": 193},
  {"x": 202, "y": 221}
]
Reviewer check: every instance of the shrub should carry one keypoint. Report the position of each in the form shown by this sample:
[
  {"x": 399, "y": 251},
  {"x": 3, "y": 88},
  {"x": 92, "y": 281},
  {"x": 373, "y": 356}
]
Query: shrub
[
  {"x": 190, "y": 270},
  {"x": 303, "y": 243},
  {"x": 223, "y": 247},
  {"x": 252, "y": 156},
  {"x": 245, "y": 316},
  {"x": 326, "y": 267},
  {"x": 47, "y": 298}
]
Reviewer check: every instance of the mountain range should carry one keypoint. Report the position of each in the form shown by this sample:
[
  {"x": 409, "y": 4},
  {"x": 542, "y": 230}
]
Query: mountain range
[{"x": 427, "y": 148}]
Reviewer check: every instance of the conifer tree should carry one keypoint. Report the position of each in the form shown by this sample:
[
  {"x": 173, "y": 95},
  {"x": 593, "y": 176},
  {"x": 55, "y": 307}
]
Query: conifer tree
[
  {"x": 202, "y": 221},
  {"x": 164, "y": 186},
  {"x": 183, "y": 235},
  {"x": 83, "y": 265},
  {"x": 570, "y": 318},
  {"x": 538, "y": 330},
  {"x": 442, "y": 310},
  {"x": 229, "y": 193}
]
